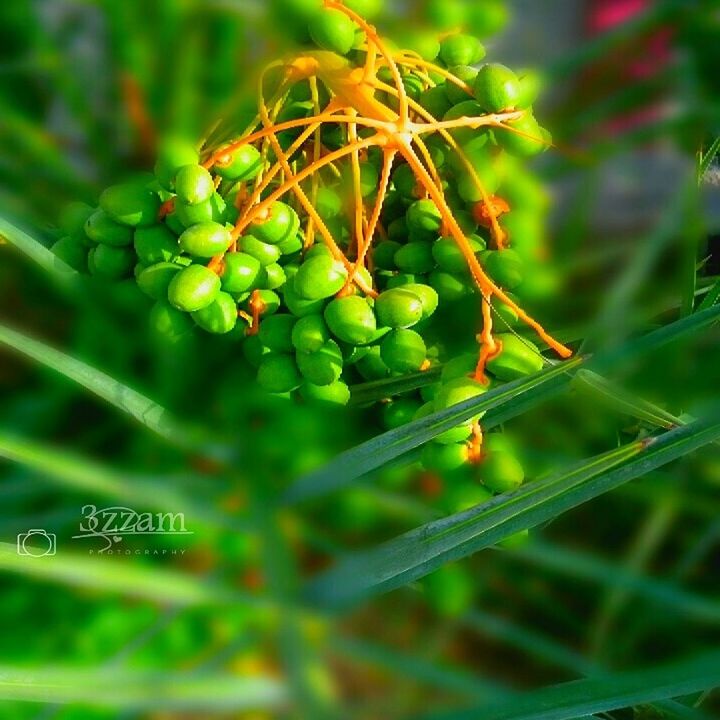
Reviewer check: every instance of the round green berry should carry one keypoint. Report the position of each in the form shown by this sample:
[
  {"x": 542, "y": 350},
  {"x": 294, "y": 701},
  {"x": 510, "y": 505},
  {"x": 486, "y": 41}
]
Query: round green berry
[
  {"x": 73, "y": 217},
  {"x": 213, "y": 209},
  {"x": 101, "y": 228},
  {"x": 278, "y": 373},
  {"x": 424, "y": 216},
  {"x": 470, "y": 140},
  {"x": 131, "y": 204},
  {"x": 444, "y": 458},
  {"x": 404, "y": 180},
  {"x": 504, "y": 266},
  {"x": 332, "y": 30},
  {"x": 518, "y": 357},
  {"x": 155, "y": 244},
  {"x": 265, "y": 253},
  {"x": 336, "y": 393},
  {"x": 449, "y": 286},
  {"x": 456, "y": 94},
  {"x": 173, "y": 154},
  {"x": 219, "y": 317},
  {"x": 383, "y": 254},
  {"x": 193, "y": 288},
  {"x": 155, "y": 279},
  {"x": 457, "y": 391},
  {"x": 72, "y": 252},
  {"x": 399, "y": 412},
  {"x": 320, "y": 277},
  {"x": 351, "y": 320},
  {"x": 446, "y": 14},
  {"x": 501, "y": 472},
  {"x": 497, "y": 88},
  {"x": 111, "y": 262},
  {"x": 297, "y": 304},
  {"x": 274, "y": 277},
  {"x": 169, "y": 324},
  {"x": 194, "y": 184},
  {"x": 368, "y": 9},
  {"x": 398, "y": 308},
  {"x": 435, "y": 101},
  {"x": 240, "y": 272},
  {"x": 466, "y": 495},
  {"x": 428, "y": 297},
  {"x": 328, "y": 203},
  {"x": 403, "y": 350},
  {"x": 529, "y": 138},
  {"x": 253, "y": 350},
  {"x": 487, "y": 18},
  {"x": 322, "y": 367},
  {"x": 448, "y": 255},
  {"x": 450, "y": 590},
  {"x": 276, "y": 332},
  {"x": 241, "y": 164},
  {"x": 415, "y": 257},
  {"x": 205, "y": 240},
  {"x": 461, "y": 49},
  {"x": 277, "y": 225},
  {"x": 310, "y": 333},
  {"x": 371, "y": 366}
]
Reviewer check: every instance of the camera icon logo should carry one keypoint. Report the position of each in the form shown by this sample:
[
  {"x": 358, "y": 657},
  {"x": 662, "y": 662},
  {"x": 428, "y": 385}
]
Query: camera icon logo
[{"x": 36, "y": 543}]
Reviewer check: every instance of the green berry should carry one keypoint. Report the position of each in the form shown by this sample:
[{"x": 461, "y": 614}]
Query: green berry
[
  {"x": 320, "y": 277},
  {"x": 310, "y": 333},
  {"x": 101, "y": 228},
  {"x": 368, "y": 9},
  {"x": 254, "y": 351},
  {"x": 371, "y": 366},
  {"x": 466, "y": 495},
  {"x": 457, "y": 391},
  {"x": 241, "y": 164},
  {"x": 448, "y": 255},
  {"x": 279, "y": 224},
  {"x": 240, "y": 273},
  {"x": 72, "y": 252},
  {"x": 497, "y": 88},
  {"x": 531, "y": 140},
  {"x": 460, "y": 366},
  {"x": 111, "y": 262},
  {"x": 212, "y": 210},
  {"x": 265, "y": 253},
  {"x": 518, "y": 357},
  {"x": 194, "y": 184},
  {"x": 403, "y": 350},
  {"x": 450, "y": 590},
  {"x": 297, "y": 304},
  {"x": 531, "y": 85},
  {"x": 73, "y": 218},
  {"x": 270, "y": 300},
  {"x": 461, "y": 49},
  {"x": 337, "y": 393},
  {"x": 274, "y": 277},
  {"x": 332, "y": 30},
  {"x": 445, "y": 14},
  {"x": 193, "y": 288},
  {"x": 173, "y": 154},
  {"x": 328, "y": 203},
  {"x": 322, "y": 367},
  {"x": 131, "y": 204},
  {"x": 424, "y": 216},
  {"x": 444, "y": 458},
  {"x": 383, "y": 254},
  {"x": 415, "y": 257},
  {"x": 276, "y": 332},
  {"x": 398, "y": 308},
  {"x": 169, "y": 324},
  {"x": 455, "y": 94},
  {"x": 504, "y": 266},
  {"x": 501, "y": 472},
  {"x": 428, "y": 297},
  {"x": 351, "y": 320},
  {"x": 219, "y": 317},
  {"x": 400, "y": 280},
  {"x": 155, "y": 244},
  {"x": 469, "y": 139},
  {"x": 449, "y": 287},
  {"x": 291, "y": 245},
  {"x": 399, "y": 412},
  {"x": 487, "y": 18},
  {"x": 435, "y": 101},
  {"x": 205, "y": 240},
  {"x": 155, "y": 279},
  {"x": 423, "y": 42},
  {"x": 404, "y": 180},
  {"x": 278, "y": 373}
]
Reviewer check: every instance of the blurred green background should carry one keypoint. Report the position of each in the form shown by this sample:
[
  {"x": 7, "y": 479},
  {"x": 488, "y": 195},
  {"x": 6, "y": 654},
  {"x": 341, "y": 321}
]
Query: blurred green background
[{"x": 225, "y": 620}]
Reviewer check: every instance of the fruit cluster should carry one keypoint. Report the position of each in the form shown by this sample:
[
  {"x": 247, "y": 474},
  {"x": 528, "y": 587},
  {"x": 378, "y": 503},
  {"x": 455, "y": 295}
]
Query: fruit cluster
[{"x": 372, "y": 189}]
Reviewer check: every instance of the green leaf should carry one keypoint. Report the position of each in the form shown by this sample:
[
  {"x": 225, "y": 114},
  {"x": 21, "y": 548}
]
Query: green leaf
[
  {"x": 420, "y": 551},
  {"x": 378, "y": 451},
  {"x": 389, "y": 387},
  {"x": 707, "y": 159},
  {"x": 141, "y": 690},
  {"x": 597, "y": 695},
  {"x": 131, "y": 402}
]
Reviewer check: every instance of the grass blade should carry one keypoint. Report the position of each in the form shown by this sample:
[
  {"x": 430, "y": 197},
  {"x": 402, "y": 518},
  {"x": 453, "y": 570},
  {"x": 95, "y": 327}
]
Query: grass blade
[
  {"x": 420, "y": 551},
  {"x": 597, "y": 695},
  {"x": 378, "y": 389},
  {"x": 131, "y": 402},
  {"x": 705, "y": 160},
  {"x": 135, "y": 690}
]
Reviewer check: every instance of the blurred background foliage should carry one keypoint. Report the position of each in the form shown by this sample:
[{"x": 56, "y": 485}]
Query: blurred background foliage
[{"x": 633, "y": 243}]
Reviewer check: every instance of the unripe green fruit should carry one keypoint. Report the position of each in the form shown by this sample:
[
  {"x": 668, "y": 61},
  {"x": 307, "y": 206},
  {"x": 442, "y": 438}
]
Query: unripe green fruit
[
  {"x": 519, "y": 357},
  {"x": 337, "y": 393},
  {"x": 368, "y": 9},
  {"x": 194, "y": 184},
  {"x": 240, "y": 272},
  {"x": 531, "y": 85},
  {"x": 400, "y": 280},
  {"x": 466, "y": 495},
  {"x": 322, "y": 367},
  {"x": 169, "y": 324},
  {"x": 445, "y": 14},
  {"x": 298, "y": 305},
  {"x": 444, "y": 458},
  {"x": 291, "y": 245},
  {"x": 399, "y": 412},
  {"x": 498, "y": 442},
  {"x": 501, "y": 472},
  {"x": 265, "y": 253},
  {"x": 310, "y": 333},
  {"x": 173, "y": 154},
  {"x": 404, "y": 180},
  {"x": 503, "y": 266},
  {"x": 435, "y": 101},
  {"x": 423, "y": 42},
  {"x": 403, "y": 350},
  {"x": 448, "y": 255},
  {"x": 318, "y": 249},
  {"x": 101, "y": 228},
  {"x": 320, "y": 277},
  {"x": 487, "y": 18},
  {"x": 449, "y": 287},
  {"x": 219, "y": 317},
  {"x": 278, "y": 373},
  {"x": 371, "y": 366},
  {"x": 205, "y": 240},
  {"x": 456, "y": 94},
  {"x": 274, "y": 277},
  {"x": 73, "y": 218},
  {"x": 212, "y": 210},
  {"x": 270, "y": 300},
  {"x": 130, "y": 204},
  {"x": 328, "y": 203},
  {"x": 351, "y": 320},
  {"x": 193, "y": 288},
  {"x": 457, "y": 391},
  {"x": 254, "y": 351},
  {"x": 398, "y": 230},
  {"x": 276, "y": 333},
  {"x": 72, "y": 252},
  {"x": 281, "y": 223},
  {"x": 470, "y": 140},
  {"x": 398, "y": 308},
  {"x": 449, "y": 590},
  {"x": 111, "y": 262},
  {"x": 384, "y": 253},
  {"x": 243, "y": 163},
  {"x": 461, "y": 49},
  {"x": 461, "y": 366},
  {"x": 497, "y": 88},
  {"x": 415, "y": 257},
  {"x": 532, "y": 141},
  {"x": 155, "y": 279},
  {"x": 155, "y": 244},
  {"x": 428, "y": 298},
  {"x": 423, "y": 215},
  {"x": 457, "y": 434},
  {"x": 332, "y": 30}
]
